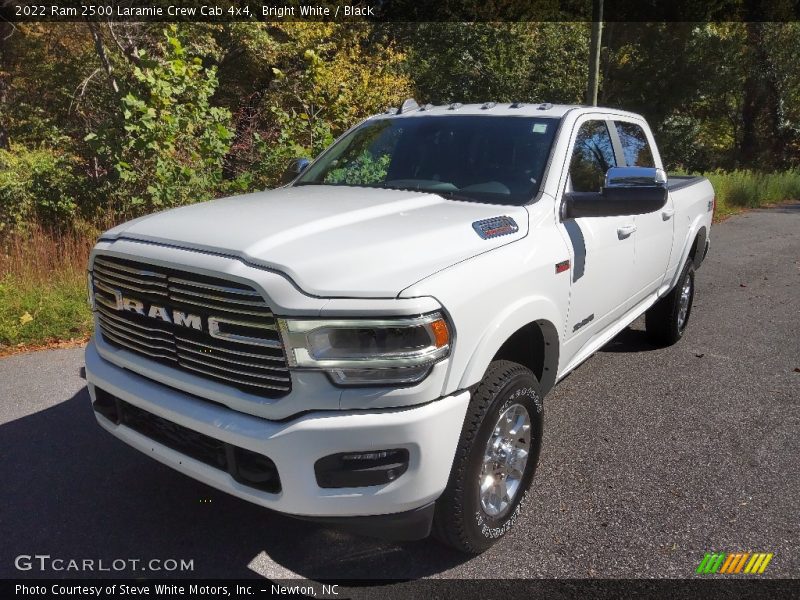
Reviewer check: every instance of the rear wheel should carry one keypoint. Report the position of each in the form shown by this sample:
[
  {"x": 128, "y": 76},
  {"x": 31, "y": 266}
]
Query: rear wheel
[
  {"x": 495, "y": 460},
  {"x": 667, "y": 319}
]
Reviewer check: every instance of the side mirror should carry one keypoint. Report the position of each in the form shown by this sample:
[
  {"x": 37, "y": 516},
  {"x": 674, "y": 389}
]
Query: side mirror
[
  {"x": 297, "y": 166},
  {"x": 636, "y": 177},
  {"x": 627, "y": 191}
]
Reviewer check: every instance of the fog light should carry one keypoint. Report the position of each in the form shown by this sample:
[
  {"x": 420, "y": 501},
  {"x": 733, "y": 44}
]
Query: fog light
[
  {"x": 361, "y": 469},
  {"x": 255, "y": 470},
  {"x": 106, "y": 404}
]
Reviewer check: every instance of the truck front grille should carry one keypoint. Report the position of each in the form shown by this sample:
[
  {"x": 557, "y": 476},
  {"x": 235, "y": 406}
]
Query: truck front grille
[{"x": 215, "y": 328}]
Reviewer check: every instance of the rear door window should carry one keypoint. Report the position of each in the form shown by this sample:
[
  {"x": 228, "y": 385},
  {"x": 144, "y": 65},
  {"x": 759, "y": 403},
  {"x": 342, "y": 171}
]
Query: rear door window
[{"x": 635, "y": 147}]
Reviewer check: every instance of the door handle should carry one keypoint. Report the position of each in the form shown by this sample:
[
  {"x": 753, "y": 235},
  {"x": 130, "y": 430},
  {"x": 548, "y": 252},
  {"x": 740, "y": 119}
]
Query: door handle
[
  {"x": 667, "y": 213},
  {"x": 625, "y": 231}
]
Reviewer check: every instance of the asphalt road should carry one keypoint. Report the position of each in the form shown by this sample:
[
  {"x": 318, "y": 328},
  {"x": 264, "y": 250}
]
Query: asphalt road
[{"x": 651, "y": 457}]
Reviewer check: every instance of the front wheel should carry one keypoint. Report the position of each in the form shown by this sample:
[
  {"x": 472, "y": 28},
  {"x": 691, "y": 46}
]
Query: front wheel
[
  {"x": 666, "y": 320},
  {"x": 495, "y": 460}
]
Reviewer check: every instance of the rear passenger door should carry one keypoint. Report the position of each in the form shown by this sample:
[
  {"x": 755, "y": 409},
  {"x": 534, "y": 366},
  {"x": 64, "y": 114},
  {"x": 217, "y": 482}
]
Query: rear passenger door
[{"x": 654, "y": 231}]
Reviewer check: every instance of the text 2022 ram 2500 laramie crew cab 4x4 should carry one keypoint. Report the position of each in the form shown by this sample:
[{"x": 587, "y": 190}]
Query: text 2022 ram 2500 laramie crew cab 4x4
[{"x": 370, "y": 344}]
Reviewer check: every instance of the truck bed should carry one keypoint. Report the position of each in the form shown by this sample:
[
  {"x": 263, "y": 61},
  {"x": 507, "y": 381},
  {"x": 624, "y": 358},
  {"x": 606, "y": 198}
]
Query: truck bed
[{"x": 676, "y": 182}]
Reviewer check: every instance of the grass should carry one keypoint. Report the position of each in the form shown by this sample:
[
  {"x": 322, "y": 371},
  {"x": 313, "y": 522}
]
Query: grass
[
  {"x": 740, "y": 190},
  {"x": 43, "y": 289},
  {"x": 43, "y": 274}
]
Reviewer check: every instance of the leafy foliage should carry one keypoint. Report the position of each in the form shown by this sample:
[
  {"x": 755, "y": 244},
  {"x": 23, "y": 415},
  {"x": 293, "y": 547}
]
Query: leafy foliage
[
  {"x": 174, "y": 140},
  {"x": 36, "y": 185},
  {"x": 364, "y": 170},
  {"x": 503, "y": 62},
  {"x": 106, "y": 121}
]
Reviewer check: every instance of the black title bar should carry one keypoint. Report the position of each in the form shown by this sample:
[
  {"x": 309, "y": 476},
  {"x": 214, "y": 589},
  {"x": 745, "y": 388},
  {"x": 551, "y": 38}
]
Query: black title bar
[
  {"x": 220, "y": 11},
  {"x": 708, "y": 588}
]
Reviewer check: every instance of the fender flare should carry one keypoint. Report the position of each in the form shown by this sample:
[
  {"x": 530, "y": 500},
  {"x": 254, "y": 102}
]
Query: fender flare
[
  {"x": 697, "y": 229},
  {"x": 497, "y": 331}
]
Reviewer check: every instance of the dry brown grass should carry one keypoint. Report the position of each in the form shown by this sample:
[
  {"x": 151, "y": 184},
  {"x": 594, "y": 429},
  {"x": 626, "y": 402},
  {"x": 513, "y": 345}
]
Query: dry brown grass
[
  {"x": 43, "y": 289},
  {"x": 39, "y": 255}
]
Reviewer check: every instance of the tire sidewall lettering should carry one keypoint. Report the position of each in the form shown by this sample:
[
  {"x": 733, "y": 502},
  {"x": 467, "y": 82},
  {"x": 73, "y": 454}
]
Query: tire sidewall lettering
[{"x": 486, "y": 528}]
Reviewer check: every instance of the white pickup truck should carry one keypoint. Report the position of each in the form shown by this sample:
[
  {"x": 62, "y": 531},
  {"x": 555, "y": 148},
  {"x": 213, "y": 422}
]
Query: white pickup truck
[{"x": 370, "y": 345}]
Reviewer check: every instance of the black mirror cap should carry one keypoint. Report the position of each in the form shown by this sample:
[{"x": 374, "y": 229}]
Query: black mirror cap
[
  {"x": 615, "y": 202},
  {"x": 296, "y": 166}
]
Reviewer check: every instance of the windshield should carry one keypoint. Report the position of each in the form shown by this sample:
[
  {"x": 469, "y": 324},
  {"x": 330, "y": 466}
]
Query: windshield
[{"x": 497, "y": 160}]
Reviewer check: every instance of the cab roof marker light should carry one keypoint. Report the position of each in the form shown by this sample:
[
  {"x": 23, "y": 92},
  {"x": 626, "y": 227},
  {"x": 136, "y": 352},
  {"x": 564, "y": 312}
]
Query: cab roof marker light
[{"x": 408, "y": 105}]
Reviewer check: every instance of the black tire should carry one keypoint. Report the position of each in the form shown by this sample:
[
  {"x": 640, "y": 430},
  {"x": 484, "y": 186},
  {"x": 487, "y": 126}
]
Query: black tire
[
  {"x": 460, "y": 520},
  {"x": 663, "y": 321}
]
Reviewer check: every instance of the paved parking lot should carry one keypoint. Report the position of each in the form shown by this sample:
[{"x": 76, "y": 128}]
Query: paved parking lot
[{"x": 651, "y": 457}]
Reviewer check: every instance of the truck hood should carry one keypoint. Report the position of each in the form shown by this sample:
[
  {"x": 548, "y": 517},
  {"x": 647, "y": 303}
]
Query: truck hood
[{"x": 333, "y": 241}]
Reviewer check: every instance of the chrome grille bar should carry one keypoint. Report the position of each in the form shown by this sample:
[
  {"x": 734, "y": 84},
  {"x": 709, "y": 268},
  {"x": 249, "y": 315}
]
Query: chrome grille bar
[
  {"x": 221, "y": 349},
  {"x": 227, "y": 309},
  {"x": 188, "y": 292},
  {"x": 229, "y": 370},
  {"x": 117, "y": 283},
  {"x": 108, "y": 314},
  {"x": 282, "y": 388},
  {"x": 111, "y": 274},
  {"x": 182, "y": 354},
  {"x": 102, "y": 262},
  {"x": 134, "y": 345},
  {"x": 217, "y": 288}
]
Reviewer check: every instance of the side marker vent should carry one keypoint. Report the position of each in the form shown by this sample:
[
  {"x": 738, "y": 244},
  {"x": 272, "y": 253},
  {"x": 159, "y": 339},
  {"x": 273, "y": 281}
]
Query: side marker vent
[{"x": 495, "y": 227}]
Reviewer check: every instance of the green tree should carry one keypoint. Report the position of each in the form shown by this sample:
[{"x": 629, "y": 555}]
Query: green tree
[
  {"x": 479, "y": 62},
  {"x": 174, "y": 140}
]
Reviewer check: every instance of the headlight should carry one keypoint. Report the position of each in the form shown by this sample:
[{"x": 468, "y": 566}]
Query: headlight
[{"x": 368, "y": 351}]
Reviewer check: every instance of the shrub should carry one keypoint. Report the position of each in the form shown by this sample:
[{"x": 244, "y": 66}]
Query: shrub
[
  {"x": 750, "y": 189},
  {"x": 174, "y": 140},
  {"x": 36, "y": 185}
]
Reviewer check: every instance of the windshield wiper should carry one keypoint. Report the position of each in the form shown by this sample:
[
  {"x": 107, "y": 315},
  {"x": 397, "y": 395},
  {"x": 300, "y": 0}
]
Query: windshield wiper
[
  {"x": 452, "y": 195},
  {"x": 447, "y": 195}
]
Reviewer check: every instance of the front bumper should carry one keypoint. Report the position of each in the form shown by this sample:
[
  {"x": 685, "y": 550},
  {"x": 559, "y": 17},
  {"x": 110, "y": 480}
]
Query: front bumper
[{"x": 429, "y": 432}]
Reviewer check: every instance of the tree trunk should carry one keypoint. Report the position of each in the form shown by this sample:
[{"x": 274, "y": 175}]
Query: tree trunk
[
  {"x": 94, "y": 28},
  {"x": 594, "y": 52}
]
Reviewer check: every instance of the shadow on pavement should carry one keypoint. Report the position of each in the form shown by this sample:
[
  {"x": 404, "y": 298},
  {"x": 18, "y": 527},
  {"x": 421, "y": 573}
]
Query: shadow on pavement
[
  {"x": 73, "y": 491},
  {"x": 629, "y": 340}
]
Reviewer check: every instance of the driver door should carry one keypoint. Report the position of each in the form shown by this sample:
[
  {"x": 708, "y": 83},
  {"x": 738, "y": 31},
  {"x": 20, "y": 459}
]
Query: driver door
[{"x": 601, "y": 266}]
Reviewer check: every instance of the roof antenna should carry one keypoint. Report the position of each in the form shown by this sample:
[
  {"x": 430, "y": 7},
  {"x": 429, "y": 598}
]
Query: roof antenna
[{"x": 408, "y": 106}]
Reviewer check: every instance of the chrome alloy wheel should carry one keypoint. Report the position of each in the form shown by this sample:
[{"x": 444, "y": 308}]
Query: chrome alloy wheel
[
  {"x": 683, "y": 303},
  {"x": 504, "y": 460}
]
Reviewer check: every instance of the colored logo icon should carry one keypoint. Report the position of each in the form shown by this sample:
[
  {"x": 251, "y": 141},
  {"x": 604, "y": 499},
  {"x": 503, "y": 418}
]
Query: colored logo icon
[{"x": 732, "y": 563}]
